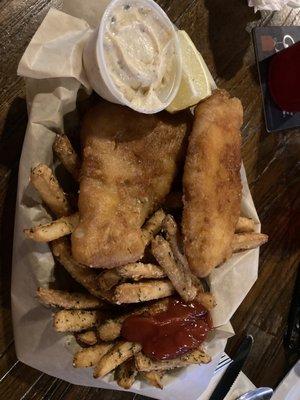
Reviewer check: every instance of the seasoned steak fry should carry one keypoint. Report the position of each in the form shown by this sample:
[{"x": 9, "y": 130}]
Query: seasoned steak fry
[
  {"x": 75, "y": 320},
  {"x": 125, "y": 374},
  {"x": 83, "y": 275},
  {"x": 144, "y": 363},
  {"x": 91, "y": 355},
  {"x": 154, "y": 378},
  {"x": 67, "y": 155},
  {"x": 49, "y": 189},
  {"x": 60, "y": 298},
  {"x": 110, "y": 329},
  {"x": 206, "y": 299},
  {"x": 245, "y": 225},
  {"x": 152, "y": 226},
  {"x": 108, "y": 279},
  {"x": 180, "y": 278},
  {"x": 248, "y": 241},
  {"x": 133, "y": 271},
  {"x": 143, "y": 291},
  {"x": 174, "y": 239},
  {"x": 121, "y": 352},
  {"x": 138, "y": 271},
  {"x": 88, "y": 338},
  {"x": 53, "y": 230}
]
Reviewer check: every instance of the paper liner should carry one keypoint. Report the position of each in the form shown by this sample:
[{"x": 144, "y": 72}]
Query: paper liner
[{"x": 52, "y": 64}]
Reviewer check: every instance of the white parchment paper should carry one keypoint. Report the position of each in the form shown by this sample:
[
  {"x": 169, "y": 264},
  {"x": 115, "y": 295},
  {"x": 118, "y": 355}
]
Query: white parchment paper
[
  {"x": 272, "y": 5},
  {"x": 52, "y": 65}
]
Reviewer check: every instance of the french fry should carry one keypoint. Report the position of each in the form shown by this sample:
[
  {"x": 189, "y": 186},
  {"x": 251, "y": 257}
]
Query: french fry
[
  {"x": 83, "y": 275},
  {"x": 49, "y": 189},
  {"x": 170, "y": 228},
  {"x": 144, "y": 363},
  {"x": 173, "y": 237},
  {"x": 198, "y": 284},
  {"x": 90, "y": 356},
  {"x": 125, "y": 374},
  {"x": 121, "y": 352},
  {"x": 111, "y": 328},
  {"x": 247, "y": 241},
  {"x": 206, "y": 299},
  {"x": 181, "y": 281},
  {"x": 66, "y": 300},
  {"x": 133, "y": 271},
  {"x": 143, "y": 291},
  {"x": 54, "y": 229},
  {"x": 67, "y": 155},
  {"x": 154, "y": 378},
  {"x": 108, "y": 279},
  {"x": 138, "y": 271},
  {"x": 88, "y": 338},
  {"x": 75, "y": 320},
  {"x": 152, "y": 226},
  {"x": 245, "y": 225}
]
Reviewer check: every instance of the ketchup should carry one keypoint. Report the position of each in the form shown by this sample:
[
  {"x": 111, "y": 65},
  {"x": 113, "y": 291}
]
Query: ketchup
[
  {"x": 171, "y": 333},
  {"x": 284, "y": 78}
]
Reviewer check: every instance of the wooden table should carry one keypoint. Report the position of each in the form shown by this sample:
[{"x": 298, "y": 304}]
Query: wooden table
[{"x": 222, "y": 34}]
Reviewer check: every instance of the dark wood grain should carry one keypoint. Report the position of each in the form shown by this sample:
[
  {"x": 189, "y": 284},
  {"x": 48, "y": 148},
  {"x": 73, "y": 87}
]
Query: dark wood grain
[{"x": 222, "y": 34}]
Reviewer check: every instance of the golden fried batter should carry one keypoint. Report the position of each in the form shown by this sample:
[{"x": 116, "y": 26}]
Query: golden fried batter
[
  {"x": 129, "y": 163},
  {"x": 212, "y": 183}
]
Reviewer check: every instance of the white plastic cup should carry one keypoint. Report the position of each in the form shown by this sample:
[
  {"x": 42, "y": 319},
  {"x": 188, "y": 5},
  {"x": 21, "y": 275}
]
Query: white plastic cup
[{"x": 96, "y": 69}]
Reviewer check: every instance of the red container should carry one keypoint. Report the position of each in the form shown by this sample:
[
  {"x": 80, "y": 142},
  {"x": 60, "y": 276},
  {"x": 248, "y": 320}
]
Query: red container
[{"x": 284, "y": 78}]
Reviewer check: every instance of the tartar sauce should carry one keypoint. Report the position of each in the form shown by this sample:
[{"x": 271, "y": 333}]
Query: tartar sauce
[{"x": 139, "y": 52}]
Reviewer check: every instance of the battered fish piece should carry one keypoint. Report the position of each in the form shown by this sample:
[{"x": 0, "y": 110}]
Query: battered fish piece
[
  {"x": 129, "y": 163},
  {"x": 212, "y": 182}
]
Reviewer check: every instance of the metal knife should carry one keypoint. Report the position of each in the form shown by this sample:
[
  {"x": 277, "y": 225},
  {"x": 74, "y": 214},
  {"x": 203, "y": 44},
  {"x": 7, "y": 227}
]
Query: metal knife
[{"x": 233, "y": 370}]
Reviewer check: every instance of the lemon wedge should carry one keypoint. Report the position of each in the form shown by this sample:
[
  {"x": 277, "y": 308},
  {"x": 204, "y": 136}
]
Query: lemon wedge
[{"x": 195, "y": 83}]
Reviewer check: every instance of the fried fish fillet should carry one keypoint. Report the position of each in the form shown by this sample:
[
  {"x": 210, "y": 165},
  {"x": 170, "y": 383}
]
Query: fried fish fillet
[
  {"x": 212, "y": 183},
  {"x": 129, "y": 163}
]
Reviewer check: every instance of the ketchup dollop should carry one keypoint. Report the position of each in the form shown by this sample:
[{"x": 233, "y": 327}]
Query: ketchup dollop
[{"x": 171, "y": 333}]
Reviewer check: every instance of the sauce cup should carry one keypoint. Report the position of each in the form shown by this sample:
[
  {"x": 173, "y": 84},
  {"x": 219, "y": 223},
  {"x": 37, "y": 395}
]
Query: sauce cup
[{"x": 97, "y": 69}]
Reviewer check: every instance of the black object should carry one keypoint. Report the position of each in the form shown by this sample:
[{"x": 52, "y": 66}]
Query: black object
[
  {"x": 267, "y": 41},
  {"x": 233, "y": 370},
  {"x": 292, "y": 336}
]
